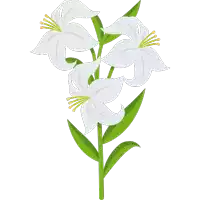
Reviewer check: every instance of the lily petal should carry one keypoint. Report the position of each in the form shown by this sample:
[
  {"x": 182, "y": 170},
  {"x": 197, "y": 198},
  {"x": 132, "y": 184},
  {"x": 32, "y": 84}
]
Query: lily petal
[
  {"x": 121, "y": 55},
  {"x": 75, "y": 9},
  {"x": 141, "y": 76},
  {"x": 106, "y": 116},
  {"x": 153, "y": 60},
  {"x": 125, "y": 26},
  {"x": 57, "y": 55},
  {"x": 78, "y": 38},
  {"x": 89, "y": 116},
  {"x": 105, "y": 90},
  {"x": 45, "y": 43},
  {"x": 142, "y": 32},
  {"x": 56, "y": 15},
  {"x": 78, "y": 78},
  {"x": 73, "y": 90}
]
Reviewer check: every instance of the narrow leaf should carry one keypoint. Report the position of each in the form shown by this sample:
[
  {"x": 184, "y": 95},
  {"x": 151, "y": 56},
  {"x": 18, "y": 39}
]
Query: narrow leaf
[
  {"x": 72, "y": 60},
  {"x": 117, "y": 153},
  {"x": 84, "y": 144},
  {"x": 131, "y": 13},
  {"x": 110, "y": 37},
  {"x": 98, "y": 25},
  {"x": 131, "y": 111},
  {"x": 100, "y": 35}
]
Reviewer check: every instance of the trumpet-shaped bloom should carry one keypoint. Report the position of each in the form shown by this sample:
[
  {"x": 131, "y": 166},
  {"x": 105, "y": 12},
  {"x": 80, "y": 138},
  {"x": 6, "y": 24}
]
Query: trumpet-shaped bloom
[
  {"x": 92, "y": 98},
  {"x": 63, "y": 34},
  {"x": 136, "y": 50}
]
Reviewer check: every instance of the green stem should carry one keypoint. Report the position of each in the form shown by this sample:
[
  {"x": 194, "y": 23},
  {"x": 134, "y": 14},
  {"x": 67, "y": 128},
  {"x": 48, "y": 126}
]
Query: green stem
[
  {"x": 101, "y": 165},
  {"x": 91, "y": 78},
  {"x": 96, "y": 74},
  {"x": 93, "y": 54},
  {"x": 110, "y": 72}
]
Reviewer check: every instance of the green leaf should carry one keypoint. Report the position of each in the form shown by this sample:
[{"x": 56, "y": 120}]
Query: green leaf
[
  {"x": 98, "y": 25},
  {"x": 117, "y": 153},
  {"x": 84, "y": 144},
  {"x": 130, "y": 112},
  {"x": 110, "y": 37},
  {"x": 102, "y": 37},
  {"x": 133, "y": 11},
  {"x": 72, "y": 60}
]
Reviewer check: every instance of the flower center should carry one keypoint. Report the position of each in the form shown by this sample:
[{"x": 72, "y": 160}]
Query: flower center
[
  {"x": 77, "y": 101},
  {"x": 50, "y": 24},
  {"x": 149, "y": 41}
]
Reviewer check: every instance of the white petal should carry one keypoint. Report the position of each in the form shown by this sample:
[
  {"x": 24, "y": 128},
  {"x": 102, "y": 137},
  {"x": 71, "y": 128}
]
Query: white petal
[
  {"x": 153, "y": 59},
  {"x": 45, "y": 43},
  {"x": 56, "y": 15},
  {"x": 75, "y": 9},
  {"x": 106, "y": 116},
  {"x": 142, "y": 69},
  {"x": 78, "y": 38},
  {"x": 66, "y": 83},
  {"x": 141, "y": 75},
  {"x": 105, "y": 90},
  {"x": 142, "y": 32},
  {"x": 73, "y": 90},
  {"x": 125, "y": 26},
  {"x": 57, "y": 55},
  {"x": 89, "y": 116},
  {"x": 78, "y": 78},
  {"x": 121, "y": 55}
]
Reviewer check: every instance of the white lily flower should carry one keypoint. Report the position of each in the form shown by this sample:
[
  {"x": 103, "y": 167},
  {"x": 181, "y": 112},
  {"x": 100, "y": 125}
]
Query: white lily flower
[
  {"x": 92, "y": 98},
  {"x": 63, "y": 34},
  {"x": 135, "y": 50}
]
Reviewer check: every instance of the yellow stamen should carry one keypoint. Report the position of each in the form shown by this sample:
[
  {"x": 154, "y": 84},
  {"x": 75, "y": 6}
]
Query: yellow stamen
[
  {"x": 47, "y": 16},
  {"x": 50, "y": 24},
  {"x": 79, "y": 100},
  {"x": 70, "y": 107},
  {"x": 149, "y": 41}
]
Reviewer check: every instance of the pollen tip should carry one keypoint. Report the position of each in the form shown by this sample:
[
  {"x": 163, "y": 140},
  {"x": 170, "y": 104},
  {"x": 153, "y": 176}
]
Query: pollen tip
[
  {"x": 46, "y": 15},
  {"x": 41, "y": 27},
  {"x": 70, "y": 107},
  {"x": 41, "y": 23},
  {"x": 158, "y": 39},
  {"x": 153, "y": 32},
  {"x": 158, "y": 44},
  {"x": 74, "y": 110}
]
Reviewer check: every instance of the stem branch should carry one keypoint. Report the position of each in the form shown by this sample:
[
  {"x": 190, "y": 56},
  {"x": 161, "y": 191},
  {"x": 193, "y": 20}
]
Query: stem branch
[
  {"x": 110, "y": 72},
  {"x": 96, "y": 74},
  {"x": 91, "y": 78},
  {"x": 93, "y": 54}
]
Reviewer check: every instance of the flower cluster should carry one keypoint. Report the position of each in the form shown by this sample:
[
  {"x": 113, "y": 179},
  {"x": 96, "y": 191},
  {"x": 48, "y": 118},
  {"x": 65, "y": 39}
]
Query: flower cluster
[{"x": 92, "y": 98}]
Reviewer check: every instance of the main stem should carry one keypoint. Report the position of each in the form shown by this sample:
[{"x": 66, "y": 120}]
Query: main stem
[
  {"x": 100, "y": 140},
  {"x": 101, "y": 170},
  {"x": 99, "y": 135}
]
